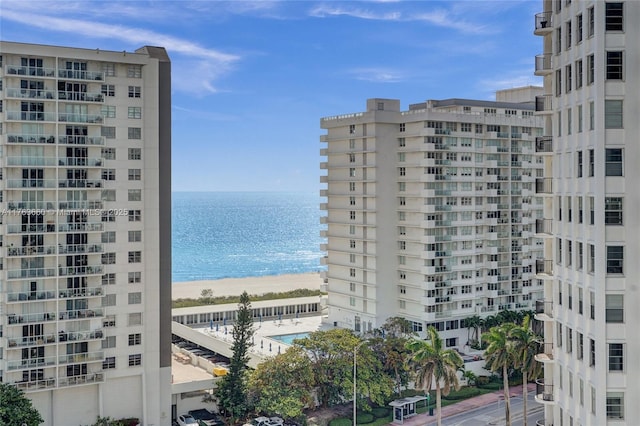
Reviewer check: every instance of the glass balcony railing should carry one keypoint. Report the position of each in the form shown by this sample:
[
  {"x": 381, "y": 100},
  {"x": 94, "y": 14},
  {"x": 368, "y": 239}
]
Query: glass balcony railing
[
  {"x": 80, "y": 140},
  {"x": 31, "y": 251},
  {"x": 80, "y": 313},
  {"x": 27, "y": 386},
  {"x": 30, "y": 93},
  {"x": 29, "y": 318},
  {"x": 31, "y": 183},
  {"x": 80, "y": 248},
  {"x": 31, "y": 116},
  {"x": 80, "y": 336},
  {"x": 83, "y": 204},
  {"x": 19, "y": 342},
  {"x": 79, "y": 118},
  {"x": 81, "y": 357},
  {"x": 31, "y": 273},
  {"x": 81, "y": 75},
  {"x": 29, "y": 228},
  {"x": 22, "y": 364},
  {"x": 25, "y": 160},
  {"x": 80, "y": 270},
  {"x": 80, "y": 96},
  {"x": 85, "y": 227},
  {"x": 80, "y": 183},
  {"x": 80, "y": 292},
  {"x": 29, "y": 138},
  {"x": 30, "y": 71},
  {"x": 30, "y": 296},
  {"x": 80, "y": 162},
  {"x": 81, "y": 380}
]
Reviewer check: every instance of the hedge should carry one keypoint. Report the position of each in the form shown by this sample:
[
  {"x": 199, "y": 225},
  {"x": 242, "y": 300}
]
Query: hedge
[
  {"x": 364, "y": 418},
  {"x": 341, "y": 422},
  {"x": 463, "y": 393},
  {"x": 380, "y": 412}
]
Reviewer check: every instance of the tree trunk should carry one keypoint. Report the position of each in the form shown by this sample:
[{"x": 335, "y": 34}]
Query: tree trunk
[
  {"x": 507, "y": 400},
  {"x": 524, "y": 397},
  {"x": 438, "y": 404}
]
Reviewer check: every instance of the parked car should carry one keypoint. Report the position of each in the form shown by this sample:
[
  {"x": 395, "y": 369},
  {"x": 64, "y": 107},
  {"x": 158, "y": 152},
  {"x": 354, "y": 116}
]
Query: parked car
[
  {"x": 265, "y": 421},
  {"x": 187, "y": 420},
  {"x": 206, "y": 418}
]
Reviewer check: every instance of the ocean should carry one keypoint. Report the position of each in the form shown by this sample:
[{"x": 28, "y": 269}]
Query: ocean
[{"x": 244, "y": 234}]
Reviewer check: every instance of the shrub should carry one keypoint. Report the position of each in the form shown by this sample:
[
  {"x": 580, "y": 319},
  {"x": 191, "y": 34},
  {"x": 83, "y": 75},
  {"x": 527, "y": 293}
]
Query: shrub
[
  {"x": 463, "y": 393},
  {"x": 341, "y": 421},
  {"x": 364, "y": 418},
  {"x": 491, "y": 386},
  {"x": 380, "y": 412},
  {"x": 482, "y": 380}
]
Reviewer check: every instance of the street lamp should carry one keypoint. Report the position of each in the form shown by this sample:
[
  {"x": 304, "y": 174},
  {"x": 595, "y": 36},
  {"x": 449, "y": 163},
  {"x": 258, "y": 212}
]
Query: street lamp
[{"x": 355, "y": 352}]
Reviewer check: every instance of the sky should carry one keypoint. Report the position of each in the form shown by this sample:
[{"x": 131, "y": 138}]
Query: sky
[{"x": 252, "y": 79}]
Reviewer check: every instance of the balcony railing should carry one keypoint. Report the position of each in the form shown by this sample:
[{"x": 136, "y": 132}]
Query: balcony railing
[
  {"x": 80, "y": 162},
  {"x": 79, "y": 336},
  {"x": 80, "y": 96},
  {"x": 31, "y": 273},
  {"x": 36, "y": 384},
  {"x": 80, "y": 380},
  {"x": 544, "y": 267},
  {"x": 29, "y": 138},
  {"x": 543, "y": 22},
  {"x": 80, "y": 292},
  {"x": 544, "y": 307},
  {"x": 30, "y": 296},
  {"x": 31, "y": 341},
  {"x": 80, "y": 248},
  {"x": 81, "y": 75},
  {"x": 85, "y": 227},
  {"x": 543, "y": 103},
  {"x": 80, "y": 270},
  {"x": 544, "y": 185},
  {"x": 80, "y": 140},
  {"x": 30, "y": 251},
  {"x": 29, "y": 160},
  {"x": 80, "y": 183},
  {"x": 81, "y": 357},
  {"x": 22, "y": 364},
  {"x": 79, "y": 118},
  {"x": 30, "y": 228},
  {"x": 544, "y": 144},
  {"x": 80, "y": 313},
  {"x": 543, "y": 390},
  {"x": 31, "y": 183},
  {"x": 30, "y": 93},
  {"x": 29, "y": 318},
  {"x": 31, "y": 116},
  {"x": 30, "y": 71},
  {"x": 82, "y": 204}
]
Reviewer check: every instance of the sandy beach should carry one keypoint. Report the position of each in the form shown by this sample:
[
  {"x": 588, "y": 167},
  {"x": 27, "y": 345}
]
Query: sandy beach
[{"x": 253, "y": 285}]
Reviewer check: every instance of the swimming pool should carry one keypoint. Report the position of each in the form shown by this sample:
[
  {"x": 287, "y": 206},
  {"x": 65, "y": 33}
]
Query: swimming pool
[{"x": 288, "y": 338}]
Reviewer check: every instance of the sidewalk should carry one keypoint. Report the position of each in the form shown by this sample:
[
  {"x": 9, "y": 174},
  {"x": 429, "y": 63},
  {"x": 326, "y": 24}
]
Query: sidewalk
[{"x": 466, "y": 405}]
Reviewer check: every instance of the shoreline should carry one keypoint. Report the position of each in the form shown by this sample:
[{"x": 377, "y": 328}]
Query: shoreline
[{"x": 253, "y": 285}]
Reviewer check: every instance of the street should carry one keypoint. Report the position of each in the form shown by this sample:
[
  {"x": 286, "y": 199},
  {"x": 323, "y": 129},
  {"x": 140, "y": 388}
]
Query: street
[{"x": 493, "y": 414}]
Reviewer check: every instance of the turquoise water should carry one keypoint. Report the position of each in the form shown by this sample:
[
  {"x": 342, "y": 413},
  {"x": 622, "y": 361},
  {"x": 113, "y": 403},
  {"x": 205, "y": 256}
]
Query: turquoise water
[
  {"x": 244, "y": 234},
  {"x": 289, "y": 338}
]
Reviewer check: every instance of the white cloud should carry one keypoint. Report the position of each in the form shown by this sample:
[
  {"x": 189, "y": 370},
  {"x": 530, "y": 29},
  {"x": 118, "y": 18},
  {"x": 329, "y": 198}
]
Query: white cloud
[{"x": 377, "y": 75}]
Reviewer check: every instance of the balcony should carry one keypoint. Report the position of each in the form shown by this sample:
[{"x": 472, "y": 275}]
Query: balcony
[
  {"x": 80, "y": 162},
  {"x": 544, "y": 186},
  {"x": 27, "y": 160},
  {"x": 80, "y": 140},
  {"x": 31, "y": 183},
  {"x": 30, "y": 251},
  {"x": 30, "y": 93},
  {"x": 82, "y": 204},
  {"x": 80, "y": 96},
  {"x": 80, "y": 314},
  {"x": 29, "y": 138},
  {"x": 81, "y": 75},
  {"x": 80, "y": 336},
  {"x": 19, "y": 342},
  {"x": 31, "y": 273},
  {"x": 544, "y": 226},
  {"x": 544, "y": 144},
  {"x": 547, "y": 353},
  {"x": 80, "y": 292},
  {"x": 543, "y": 23},
  {"x": 543, "y": 64},
  {"x": 544, "y": 104},
  {"x": 30, "y": 228},
  {"x": 544, "y": 268},
  {"x": 30, "y": 71},
  {"x": 23, "y": 364},
  {"x": 36, "y": 385},
  {"x": 544, "y": 392},
  {"x": 81, "y": 380},
  {"x": 80, "y": 183},
  {"x": 70, "y": 271},
  {"x": 83, "y": 227},
  {"x": 544, "y": 310},
  {"x": 80, "y": 118},
  {"x": 81, "y": 357},
  {"x": 31, "y": 116},
  {"x": 80, "y": 248},
  {"x": 14, "y": 319},
  {"x": 30, "y": 296}
]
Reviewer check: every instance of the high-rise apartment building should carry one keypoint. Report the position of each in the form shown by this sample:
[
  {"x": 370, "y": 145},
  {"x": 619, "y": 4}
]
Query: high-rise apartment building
[
  {"x": 432, "y": 212},
  {"x": 85, "y": 290},
  {"x": 590, "y": 60}
]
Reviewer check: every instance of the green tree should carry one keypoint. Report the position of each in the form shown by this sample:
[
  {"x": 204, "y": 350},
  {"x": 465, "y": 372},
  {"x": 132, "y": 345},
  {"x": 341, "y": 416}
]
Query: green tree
[
  {"x": 15, "y": 408},
  {"x": 526, "y": 344},
  {"x": 473, "y": 323},
  {"x": 389, "y": 346},
  {"x": 283, "y": 384},
  {"x": 499, "y": 357},
  {"x": 331, "y": 353},
  {"x": 436, "y": 364},
  {"x": 232, "y": 389}
]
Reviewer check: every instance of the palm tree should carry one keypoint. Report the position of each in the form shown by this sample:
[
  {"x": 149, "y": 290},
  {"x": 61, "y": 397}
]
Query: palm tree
[
  {"x": 472, "y": 323},
  {"x": 499, "y": 357},
  {"x": 526, "y": 344},
  {"x": 434, "y": 363}
]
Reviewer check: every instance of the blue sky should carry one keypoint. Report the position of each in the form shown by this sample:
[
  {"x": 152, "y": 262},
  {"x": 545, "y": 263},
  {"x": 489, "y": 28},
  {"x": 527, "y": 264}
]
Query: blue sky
[{"x": 251, "y": 79}]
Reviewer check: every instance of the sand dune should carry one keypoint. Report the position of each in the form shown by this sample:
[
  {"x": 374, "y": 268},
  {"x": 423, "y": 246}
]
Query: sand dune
[{"x": 253, "y": 285}]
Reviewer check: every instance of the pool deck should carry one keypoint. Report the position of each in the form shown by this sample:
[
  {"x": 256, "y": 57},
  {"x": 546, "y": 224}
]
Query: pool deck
[{"x": 263, "y": 343}]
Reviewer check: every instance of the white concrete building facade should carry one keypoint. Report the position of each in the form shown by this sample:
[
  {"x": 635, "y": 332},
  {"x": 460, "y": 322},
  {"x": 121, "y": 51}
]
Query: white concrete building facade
[
  {"x": 589, "y": 60},
  {"x": 432, "y": 212},
  {"x": 85, "y": 285}
]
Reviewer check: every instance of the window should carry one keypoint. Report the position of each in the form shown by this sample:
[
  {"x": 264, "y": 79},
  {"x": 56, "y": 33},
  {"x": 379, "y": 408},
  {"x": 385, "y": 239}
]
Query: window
[
  {"x": 134, "y": 195},
  {"x": 402, "y": 171},
  {"x": 108, "y": 258},
  {"x": 135, "y": 153},
  {"x": 352, "y": 301},
  {"x": 558, "y": 83},
  {"x": 352, "y": 172},
  {"x": 109, "y": 279},
  {"x": 592, "y": 305},
  {"x": 402, "y": 142},
  {"x": 108, "y": 132},
  {"x": 579, "y": 118},
  {"x": 108, "y": 90},
  {"x": 591, "y": 264},
  {"x": 135, "y": 174},
  {"x": 135, "y": 298},
  {"x": 109, "y": 237},
  {"x": 134, "y": 71},
  {"x": 352, "y": 186},
  {"x": 613, "y": 114},
  {"x": 134, "y": 132},
  {"x": 352, "y": 272},
  {"x": 109, "y": 342},
  {"x": 592, "y": 115},
  {"x": 614, "y": 65},
  {"x": 108, "y": 174},
  {"x": 591, "y": 69},
  {"x": 580, "y": 345},
  {"x": 135, "y": 318},
  {"x": 108, "y": 195},
  {"x": 578, "y": 74},
  {"x": 135, "y": 277},
  {"x": 580, "y": 210},
  {"x": 568, "y": 34},
  {"x": 108, "y": 111},
  {"x": 108, "y": 153},
  {"x": 109, "y": 300},
  {"x": 134, "y": 112},
  {"x": 135, "y": 256},
  {"x": 352, "y": 157},
  {"x": 592, "y": 353},
  {"x": 135, "y": 215},
  {"x": 614, "y": 17},
  {"x": 579, "y": 166},
  {"x": 135, "y": 236},
  {"x": 613, "y": 211},
  {"x": 616, "y": 357},
  {"x": 614, "y": 308},
  {"x": 134, "y": 91},
  {"x": 402, "y": 127},
  {"x": 591, "y": 24},
  {"x": 109, "y": 363},
  {"x": 109, "y": 69},
  {"x": 615, "y": 405},
  {"x": 352, "y": 215},
  {"x": 135, "y": 339},
  {"x": 578, "y": 28},
  {"x": 615, "y": 259},
  {"x": 558, "y": 40},
  {"x": 592, "y": 162},
  {"x": 352, "y": 287},
  {"x": 108, "y": 216},
  {"x": 135, "y": 359}
]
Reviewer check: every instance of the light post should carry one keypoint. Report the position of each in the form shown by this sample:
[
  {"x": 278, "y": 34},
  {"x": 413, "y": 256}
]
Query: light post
[{"x": 355, "y": 352}]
